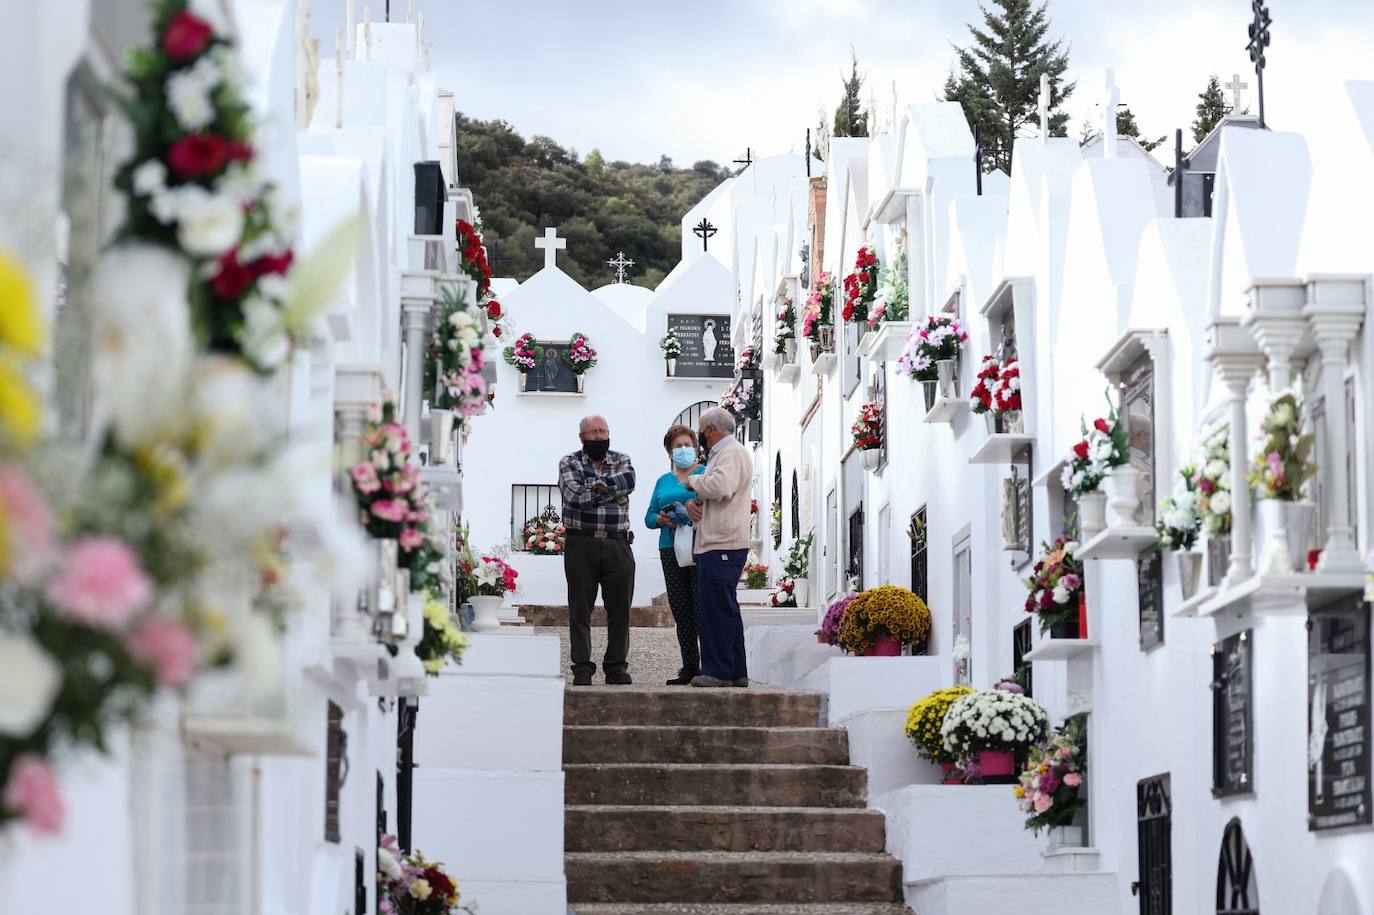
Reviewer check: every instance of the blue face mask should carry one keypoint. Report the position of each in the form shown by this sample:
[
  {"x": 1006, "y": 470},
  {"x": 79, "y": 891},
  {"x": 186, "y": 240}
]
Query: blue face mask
[{"x": 684, "y": 456}]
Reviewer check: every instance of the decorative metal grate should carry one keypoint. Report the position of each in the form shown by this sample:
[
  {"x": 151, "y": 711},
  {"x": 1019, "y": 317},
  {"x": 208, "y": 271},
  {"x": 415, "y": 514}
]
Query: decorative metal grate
[
  {"x": 920, "y": 571},
  {"x": 796, "y": 508},
  {"x": 532, "y": 500},
  {"x": 777, "y": 500},
  {"x": 1022, "y": 641},
  {"x": 855, "y": 570},
  {"x": 1237, "y": 892},
  {"x": 1154, "y": 827},
  {"x": 335, "y": 770}
]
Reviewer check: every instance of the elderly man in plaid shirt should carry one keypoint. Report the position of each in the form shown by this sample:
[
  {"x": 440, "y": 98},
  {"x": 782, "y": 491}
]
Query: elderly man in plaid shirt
[{"x": 596, "y": 483}]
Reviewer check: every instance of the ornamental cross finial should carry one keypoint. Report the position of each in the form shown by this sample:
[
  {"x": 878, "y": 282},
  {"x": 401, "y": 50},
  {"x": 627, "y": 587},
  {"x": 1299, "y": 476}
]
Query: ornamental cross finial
[
  {"x": 704, "y": 230},
  {"x": 620, "y": 262},
  {"x": 1259, "y": 40},
  {"x": 550, "y": 242}
]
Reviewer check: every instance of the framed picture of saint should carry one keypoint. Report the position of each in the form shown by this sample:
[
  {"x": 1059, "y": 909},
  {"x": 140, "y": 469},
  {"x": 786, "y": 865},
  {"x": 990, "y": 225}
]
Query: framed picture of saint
[{"x": 551, "y": 374}]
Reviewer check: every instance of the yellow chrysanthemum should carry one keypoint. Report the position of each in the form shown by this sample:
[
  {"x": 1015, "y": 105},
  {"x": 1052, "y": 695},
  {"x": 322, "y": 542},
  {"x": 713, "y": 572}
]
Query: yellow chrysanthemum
[
  {"x": 19, "y": 407},
  {"x": 20, "y": 326}
]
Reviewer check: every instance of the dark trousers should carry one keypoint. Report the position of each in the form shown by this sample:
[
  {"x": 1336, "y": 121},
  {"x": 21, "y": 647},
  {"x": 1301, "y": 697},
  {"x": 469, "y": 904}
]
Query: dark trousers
[
  {"x": 681, "y": 585},
  {"x": 722, "y": 629},
  {"x": 591, "y": 564}
]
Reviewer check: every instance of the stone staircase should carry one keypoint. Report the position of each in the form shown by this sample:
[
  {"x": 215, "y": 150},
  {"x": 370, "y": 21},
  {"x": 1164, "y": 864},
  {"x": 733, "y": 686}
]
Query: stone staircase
[{"x": 721, "y": 801}]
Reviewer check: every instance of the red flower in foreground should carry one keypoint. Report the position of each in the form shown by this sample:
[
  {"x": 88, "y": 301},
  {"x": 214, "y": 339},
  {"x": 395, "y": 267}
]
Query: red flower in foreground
[
  {"x": 233, "y": 278},
  {"x": 1081, "y": 450},
  {"x": 493, "y": 309},
  {"x": 186, "y": 36},
  {"x": 198, "y": 155},
  {"x": 1101, "y": 426},
  {"x": 273, "y": 263}
]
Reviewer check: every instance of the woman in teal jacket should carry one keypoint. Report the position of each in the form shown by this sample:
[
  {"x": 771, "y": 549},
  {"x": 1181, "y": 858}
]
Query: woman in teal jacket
[{"x": 680, "y": 583}]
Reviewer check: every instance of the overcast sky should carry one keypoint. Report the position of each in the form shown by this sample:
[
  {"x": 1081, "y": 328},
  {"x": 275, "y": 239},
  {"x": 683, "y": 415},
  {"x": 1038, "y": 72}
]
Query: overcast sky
[{"x": 707, "y": 78}]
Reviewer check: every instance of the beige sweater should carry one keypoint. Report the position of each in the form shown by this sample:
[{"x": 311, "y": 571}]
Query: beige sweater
[{"x": 724, "y": 491}]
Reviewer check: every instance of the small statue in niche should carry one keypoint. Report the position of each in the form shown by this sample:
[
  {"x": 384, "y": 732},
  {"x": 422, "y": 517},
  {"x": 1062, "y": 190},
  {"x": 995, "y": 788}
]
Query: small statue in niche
[
  {"x": 1011, "y": 538},
  {"x": 549, "y": 368},
  {"x": 708, "y": 341}
]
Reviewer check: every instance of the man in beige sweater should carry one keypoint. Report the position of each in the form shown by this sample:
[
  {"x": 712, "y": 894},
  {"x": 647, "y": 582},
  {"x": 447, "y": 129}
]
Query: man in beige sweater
[{"x": 720, "y": 514}]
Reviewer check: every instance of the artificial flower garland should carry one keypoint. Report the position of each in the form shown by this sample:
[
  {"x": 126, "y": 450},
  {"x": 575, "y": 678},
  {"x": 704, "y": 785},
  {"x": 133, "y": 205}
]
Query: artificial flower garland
[
  {"x": 474, "y": 256},
  {"x": 456, "y": 352}
]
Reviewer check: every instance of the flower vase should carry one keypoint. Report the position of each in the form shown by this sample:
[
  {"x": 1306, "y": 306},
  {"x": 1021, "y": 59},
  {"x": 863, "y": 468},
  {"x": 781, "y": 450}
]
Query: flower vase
[
  {"x": 948, "y": 379},
  {"x": 826, "y": 333},
  {"x": 581, "y": 383},
  {"x": 929, "y": 388},
  {"x": 885, "y": 646},
  {"x": 1066, "y": 629},
  {"x": 1289, "y": 529},
  {"x": 871, "y": 457},
  {"x": 1066, "y": 837},
  {"x": 486, "y": 613},
  {"x": 947, "y": 774},
  {"x": 789, "y": 350},
  {"x": 1082, "y": 614},
  {"x": 1122, "y": 486},
  {"x": 524, "y": 379},
  {"x": 801, "y": 591},
  {"x": 1092, "y": 513},
  {"x": 997, "y": 766},
  {"x": 672, "y": 367},
  {"x": 1218, "y": 559},
  {"x": 1189, "y": 564}
]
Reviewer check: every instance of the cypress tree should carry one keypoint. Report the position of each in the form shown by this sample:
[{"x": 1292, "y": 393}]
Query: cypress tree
[
  {"x": 850, "y": 118},
  {"x": 1211, "y": 108}
]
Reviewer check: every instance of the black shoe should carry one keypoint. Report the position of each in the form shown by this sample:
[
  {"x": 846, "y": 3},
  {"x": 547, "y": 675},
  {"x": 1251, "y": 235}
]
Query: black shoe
[
  {"x": 582, "y": 679},
  {"x": 683, "y": 678},
  {"x": 618, "y": 678}
]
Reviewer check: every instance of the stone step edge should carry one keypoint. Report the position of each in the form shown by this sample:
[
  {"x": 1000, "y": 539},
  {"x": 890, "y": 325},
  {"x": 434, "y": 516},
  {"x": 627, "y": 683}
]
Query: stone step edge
[
  {"x": 771, "y": 767},
  {"x": 732, "y": 857},
  {"x": 726, "y": 809},
  {"x": 810, "y": 729},
  {"x": 699, "y": 695},
  {"x": 740, "y": 908}
]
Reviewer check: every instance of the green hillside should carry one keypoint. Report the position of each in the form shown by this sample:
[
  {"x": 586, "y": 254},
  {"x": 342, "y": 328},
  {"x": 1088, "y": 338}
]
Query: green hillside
[{"x": 601, "y": 207}]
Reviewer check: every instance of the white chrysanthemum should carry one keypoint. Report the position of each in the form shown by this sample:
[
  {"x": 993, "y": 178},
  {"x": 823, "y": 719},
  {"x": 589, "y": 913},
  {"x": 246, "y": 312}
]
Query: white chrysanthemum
[
  {"x": 1221, "y": 502},
  {"x": 237, "y": 411},
  {"x": 1215, "y": 469},
  {"x": 209, "y": 224},
  {"x": 188, "y": 94},
  {"x": 150, "y": 177},
  {"x": 264, "y": 338},
  {"x": 29, "y": 681}
]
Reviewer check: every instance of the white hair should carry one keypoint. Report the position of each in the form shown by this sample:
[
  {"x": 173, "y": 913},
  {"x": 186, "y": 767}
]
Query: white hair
[
  {"x": 720, "y": 419},
  {"x": 582, "y": 423}
]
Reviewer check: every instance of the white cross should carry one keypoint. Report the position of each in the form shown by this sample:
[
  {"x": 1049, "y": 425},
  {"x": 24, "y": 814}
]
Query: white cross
[
  {"x": 550, "y": 243},
  {"x": 1044, "y": 106},
  {"x": 1109, "y": 117},
  {"x": 620, "y": 262},
  {"x": 1235, "y": 85}
]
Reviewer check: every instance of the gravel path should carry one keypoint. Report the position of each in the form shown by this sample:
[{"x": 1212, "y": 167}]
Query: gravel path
[{"x": 654, "y": 656}]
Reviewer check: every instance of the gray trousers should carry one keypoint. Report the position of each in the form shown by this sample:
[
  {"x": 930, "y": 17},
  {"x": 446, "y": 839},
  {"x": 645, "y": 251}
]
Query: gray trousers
[{"x": 591, "y": 564}]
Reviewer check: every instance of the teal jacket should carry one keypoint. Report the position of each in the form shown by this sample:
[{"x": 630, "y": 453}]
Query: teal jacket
[{"x": 667, "y": 491}]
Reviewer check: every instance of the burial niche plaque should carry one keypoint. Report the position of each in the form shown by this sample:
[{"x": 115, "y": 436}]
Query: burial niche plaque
[
  {"x": 706, "y": 348},
  {"x": 550, "y": 373},
  {"x": 1338, "y": 744},
  {"x": 1232, "y": 717}
]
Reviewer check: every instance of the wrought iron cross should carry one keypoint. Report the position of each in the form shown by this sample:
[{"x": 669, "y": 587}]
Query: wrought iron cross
[
  {"x": 748, "y": 159},
  {"x": 494, "y": 258},
  {"x": 704, "y": 230},
  {"x": 1259, "y": 40},
  {"x": 808, "y": 152},
  {"x": 978, "y": 157},
  {"x": 620, "y": 262},
  {"x": 1181, "y": 165}
]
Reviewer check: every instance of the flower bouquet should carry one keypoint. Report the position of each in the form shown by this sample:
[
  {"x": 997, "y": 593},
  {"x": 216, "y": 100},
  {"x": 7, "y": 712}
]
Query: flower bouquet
[
  {"x": 998, "y": 393},
  {"x": 474, "y": 256},
  {"x": 756, "y": 575},
  {"x": 829, "y": 633},
  {"x": 407, "y": 884},
  {"x": 868, "y": 434},
  {"x": 523, "y": 355},
  {"x": 1213, "y": 484},
  {"x": 456, "y": 355},
  {"x": 544, "y": 536},
  {"x": 747, "y": 362},
  {"x": 671, "y": 346},
  {"x": 1047, "y": 790},
  {"x": 993, "y": 725},
  {"x": 818, "y": 315},
  {"x": 1280, "y": 470},
  {"x": 786, "y": 593},
  {"x": 861, "y": 286},
  {"x": 1180, "y": 523},
  {"x": 923, "y": 724},
  {"x": 883, "y": 619},
  {"x": 785, "y": 332},
  {"x": 892, "y": 299},
  {"x": 443, "y": 638},
  {"x": 1056, "y": 590},
  {"x": 940, "y": 338},
  {"x": 496, "y": 318},
  {"x": 579, "y": 356}
]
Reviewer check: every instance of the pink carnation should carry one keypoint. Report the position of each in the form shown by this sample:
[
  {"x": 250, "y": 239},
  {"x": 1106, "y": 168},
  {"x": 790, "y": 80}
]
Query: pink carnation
[
  {"x": 30, "y": 523},
  {"x": 1073, "y": 779},
  {"x": 1042, "y": 803},
  {"x": 411, "y": 539},
  {"x": 365, "y": 479},
  {"x": 33, "y": 793},
  {"x": 168, "y": 646},
  {"x": 101, "y": 583},
  {"x": 389, "y": 509}
]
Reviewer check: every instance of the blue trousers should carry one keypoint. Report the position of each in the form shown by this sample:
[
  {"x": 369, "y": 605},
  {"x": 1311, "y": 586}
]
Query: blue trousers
[{"x": 722, "y": 629}]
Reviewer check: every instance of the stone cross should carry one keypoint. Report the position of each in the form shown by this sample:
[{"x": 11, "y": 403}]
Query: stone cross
[
  {"x": 1109, "y": 117},
  {"x": 550, "y": 243},
  {"x": 1044, "y": 106},
  {"x": 1235, "y": 85},
  {"x": 620, "y": 262}
]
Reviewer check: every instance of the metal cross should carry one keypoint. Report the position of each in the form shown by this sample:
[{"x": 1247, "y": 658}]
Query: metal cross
[
  {"x": 1235, "y": 85},
  {"x": 550, "y": 243},
  {"x": 1181, "y": 165},
  {"x": 704, "y": 230},
  {"x": 808, "y": 152},
  {"x": 620, "y": 262},
  {"x": 1259, "y": 40},
  {"x": 1044, "y": 101},
  {"x": 748, "y": 159},
  {"x": 978, "y": 157},
  {"x": 494, "y": 258}
]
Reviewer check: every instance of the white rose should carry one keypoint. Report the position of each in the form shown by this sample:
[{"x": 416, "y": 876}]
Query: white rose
[
  {"x": 1221, "y": 503},
  {"x": 189, "y": 97},
  {"x": 420, "y": 889},
  {"x": 264, "y": 338},
  {"x": 388, "y": 864},
  {"x": 1215, "y": 469},
  {"x": 149, "y": 177},
  {"x": 29, "y": 681},
  {"x": 210, "y": 224}
]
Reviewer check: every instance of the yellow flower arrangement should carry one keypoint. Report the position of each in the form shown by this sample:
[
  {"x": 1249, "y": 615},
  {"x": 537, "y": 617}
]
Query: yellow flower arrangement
[
  {"x": 888, "y": 610},
  {"x": 21, "y": 340},
  {"x": 442, "y": 638},
  {"x": 925, "y": 718}
]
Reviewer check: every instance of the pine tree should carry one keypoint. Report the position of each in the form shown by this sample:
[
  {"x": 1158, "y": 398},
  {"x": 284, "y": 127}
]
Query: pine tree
[
  {"x": 1211, "y": 108},
  {"x": 998, "y": 78},
  {"x": 850, "y": 118},
  {"x": 1127, "y": 127}
]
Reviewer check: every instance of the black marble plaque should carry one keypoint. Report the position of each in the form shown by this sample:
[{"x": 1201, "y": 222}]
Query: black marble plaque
[
  {"x": 551, "y": 374},
  {"x": 1338, "y": 745},
  {"x": 706, "y": 348},
  {"x": 1150, "y": 597},
  {"x": 1232, "y": 717}
]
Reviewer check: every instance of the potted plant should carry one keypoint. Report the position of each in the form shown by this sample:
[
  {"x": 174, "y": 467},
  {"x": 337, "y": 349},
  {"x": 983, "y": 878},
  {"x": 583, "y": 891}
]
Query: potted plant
[
  {"x": 1178, "y": 528},
  {"x": 993, "y": 725},
  {"x": 818, "y": 316},
  {"x": 1279, "y": 472},
  {"x": 672, "y": 349},
  {"x": 997, "y": 395},
  {"x": 893, "y": 297},
  {"x": 785, "y": 332},
  {"x": 1084, "y": 470},
  {"x": 485, "y": 581},
  {"x": 579, "y": 356},
  {"x": 881, "y": 620},
  {"x": 756, "y": 575},
  {"x": 868, "y": 435},
  {"x": 1056, "y": 591},
  {"x": 1121, "y": 482},
  {"x": 544, "y": 536},
  {"x": 932, "y": 356},
  {"x": 1048, "y": 790},
  {"x": 523, "y": 355},
  {"x": 923, "y": 723},
  {"x": 798, "y": 566},
  {"x": 861, "y": 286},
  {"x": 829, "y": 633},
  {"x": 1214, "y": 501}
]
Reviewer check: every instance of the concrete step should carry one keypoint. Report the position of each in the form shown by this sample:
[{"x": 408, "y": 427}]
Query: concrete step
[
  {"x": 731, "y": 877},
  {"x": 640, "y": 617},
  {"x": 728, "y": 785},
  {"x": 798, "y": 829},
  {"x": 613, "y": 744},
  {"x": 745, "y": 908},
  {"x": 690, "y": 706}
]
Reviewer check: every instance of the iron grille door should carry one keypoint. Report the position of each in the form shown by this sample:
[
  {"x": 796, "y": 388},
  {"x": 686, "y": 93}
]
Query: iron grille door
[
  {"x": 856, "y": 549},
  {"x": 335, "y": 770},
  {"x": 1022, "y": 641},
  {"x": 1154, "y": 824},
  {"x": 1237, "y": 892},
  {"x": 920, "y": 574}
]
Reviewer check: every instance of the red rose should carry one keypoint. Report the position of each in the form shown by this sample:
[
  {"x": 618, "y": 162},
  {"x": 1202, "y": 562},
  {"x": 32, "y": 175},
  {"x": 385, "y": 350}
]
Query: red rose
[
  {"x": 198, "y": 155},
  {"x": 1101, "y": 426},
  {"x": 186, "y": 36},
  {"x": 496, "y": 331},
  {"x": 1081, "y": 449},
  {"x": 232, "y": 279},
  {"x": 269, "y": 263},
  {"x": 1313, "y": 557},
  {"x": 493, "y": 309}
]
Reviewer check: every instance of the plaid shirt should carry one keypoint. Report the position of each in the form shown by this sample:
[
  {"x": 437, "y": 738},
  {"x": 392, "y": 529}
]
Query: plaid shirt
[{"x": 584, "y": 509}]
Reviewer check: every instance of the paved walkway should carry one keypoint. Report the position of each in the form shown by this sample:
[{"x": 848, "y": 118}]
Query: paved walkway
[{"x": 654, "y": 655}]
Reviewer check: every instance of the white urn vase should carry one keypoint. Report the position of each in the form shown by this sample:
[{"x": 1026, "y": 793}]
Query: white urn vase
[
  {"x": 871, "y": 458},
  {"x": 581, "y": 384},
  {"x": 948, "y": 376},
  {"x": 1122, "y": 486},
  {"x": 672, "y": 366},
  {"x": 1066, "y": 837},
  {"x": 801, "y": 590},
  {"x": 486, "y": 613},
  {"x": 1092, "y": 513},
  {"x": 524, "y": 378},
  {"x": 1289, "y": 529},
  {"x": 789, "y": 350}
]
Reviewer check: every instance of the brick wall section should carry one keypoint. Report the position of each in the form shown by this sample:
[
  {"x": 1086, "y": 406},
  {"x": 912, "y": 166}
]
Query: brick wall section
[{"x": 815, "y": 217}]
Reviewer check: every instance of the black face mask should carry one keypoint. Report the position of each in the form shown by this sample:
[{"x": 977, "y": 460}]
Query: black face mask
[{"x": 596, "y": 449}]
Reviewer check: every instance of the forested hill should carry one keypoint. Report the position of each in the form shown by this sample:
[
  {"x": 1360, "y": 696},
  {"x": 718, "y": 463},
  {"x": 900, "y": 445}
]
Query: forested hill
[{"x": 600, "y": 207}]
